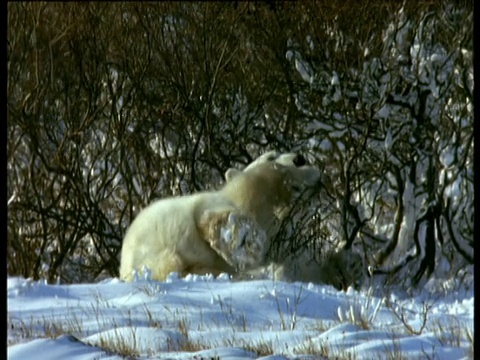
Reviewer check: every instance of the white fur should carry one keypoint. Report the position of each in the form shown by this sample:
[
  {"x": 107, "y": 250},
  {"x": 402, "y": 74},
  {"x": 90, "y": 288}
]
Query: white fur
[{"x": 197, "y": 233}]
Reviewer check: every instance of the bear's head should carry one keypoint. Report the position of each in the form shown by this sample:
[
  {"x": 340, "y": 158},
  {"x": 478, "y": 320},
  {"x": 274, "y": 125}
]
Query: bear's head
[
  {"x": 299, "y": 176},
  {"x": 274, "y": 179}
]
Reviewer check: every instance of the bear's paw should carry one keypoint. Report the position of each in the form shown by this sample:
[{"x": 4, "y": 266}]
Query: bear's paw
[{"x": 237, "y": 239}]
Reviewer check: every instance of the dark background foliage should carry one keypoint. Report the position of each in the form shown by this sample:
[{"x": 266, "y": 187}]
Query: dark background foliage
[{"x": 113, "y": 105}]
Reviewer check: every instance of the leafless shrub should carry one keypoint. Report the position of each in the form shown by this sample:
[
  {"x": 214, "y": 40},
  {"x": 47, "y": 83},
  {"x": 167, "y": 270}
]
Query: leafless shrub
[{"x": 113, "y": 105}]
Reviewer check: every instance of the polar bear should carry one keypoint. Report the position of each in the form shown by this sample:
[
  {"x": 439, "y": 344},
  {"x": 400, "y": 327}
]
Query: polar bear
[
  {"x": 337, "y": 267},
  {"x": 224, "y": 231}
]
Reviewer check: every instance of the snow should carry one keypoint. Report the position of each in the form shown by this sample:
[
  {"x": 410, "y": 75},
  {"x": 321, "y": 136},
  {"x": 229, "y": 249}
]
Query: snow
[
  {"x": 304, "y": 70},
  {"x": 202, "y": 317}
]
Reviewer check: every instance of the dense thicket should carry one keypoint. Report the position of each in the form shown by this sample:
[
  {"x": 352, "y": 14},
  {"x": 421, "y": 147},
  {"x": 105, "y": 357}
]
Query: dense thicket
[{"x": 112, "y": 105}]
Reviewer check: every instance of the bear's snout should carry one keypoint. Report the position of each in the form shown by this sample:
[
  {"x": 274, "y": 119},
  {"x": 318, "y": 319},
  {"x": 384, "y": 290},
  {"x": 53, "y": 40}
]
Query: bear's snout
[{"x": 299, "y": 160}]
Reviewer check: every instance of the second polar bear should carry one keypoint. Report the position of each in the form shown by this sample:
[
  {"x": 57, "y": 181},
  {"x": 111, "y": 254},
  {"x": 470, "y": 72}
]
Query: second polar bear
[{"x": 218, "y": 231}]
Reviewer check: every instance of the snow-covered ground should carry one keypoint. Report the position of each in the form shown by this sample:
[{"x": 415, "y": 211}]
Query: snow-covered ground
[{"x": 204, "y": 318}]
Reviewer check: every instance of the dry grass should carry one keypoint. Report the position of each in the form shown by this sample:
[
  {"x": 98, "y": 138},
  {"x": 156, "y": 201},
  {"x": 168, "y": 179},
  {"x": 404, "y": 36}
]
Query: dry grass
[
  {"x": 124, "y": 342},
  {"x": 362, "y": 314}
]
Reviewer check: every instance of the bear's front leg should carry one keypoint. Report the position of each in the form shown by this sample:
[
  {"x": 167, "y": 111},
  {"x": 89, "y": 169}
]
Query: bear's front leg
[{"x": 236, "y": 238}]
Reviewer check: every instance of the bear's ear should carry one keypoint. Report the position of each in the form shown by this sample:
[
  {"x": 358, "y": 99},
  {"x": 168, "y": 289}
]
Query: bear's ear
[{"x": 231, "y": 173}]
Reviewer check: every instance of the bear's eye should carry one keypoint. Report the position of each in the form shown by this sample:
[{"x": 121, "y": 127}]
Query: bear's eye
[
  {"x": 299, "y": 160},
  {"x": 296, "y": 188}
]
